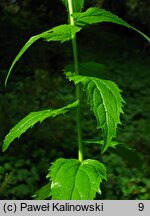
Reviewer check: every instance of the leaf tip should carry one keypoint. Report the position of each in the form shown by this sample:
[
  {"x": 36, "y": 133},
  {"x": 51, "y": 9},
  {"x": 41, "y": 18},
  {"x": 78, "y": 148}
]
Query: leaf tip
[
  {"x": 104, "y": 148},
  {"x": 4, "y": 148},
  {"x": 5, "y": 83},
  {"x": 6, "y": 80},
  {"x": 8, "y": 74}
]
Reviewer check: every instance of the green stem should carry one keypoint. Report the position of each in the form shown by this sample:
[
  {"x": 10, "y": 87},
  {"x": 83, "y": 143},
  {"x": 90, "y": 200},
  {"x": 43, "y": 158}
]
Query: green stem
[{"x": 78, "y": 91}]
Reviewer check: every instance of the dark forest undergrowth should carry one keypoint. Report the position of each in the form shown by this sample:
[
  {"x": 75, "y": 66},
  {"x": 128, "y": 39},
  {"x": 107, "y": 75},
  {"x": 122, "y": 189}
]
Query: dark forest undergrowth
[{"x": 24, "y": 166}]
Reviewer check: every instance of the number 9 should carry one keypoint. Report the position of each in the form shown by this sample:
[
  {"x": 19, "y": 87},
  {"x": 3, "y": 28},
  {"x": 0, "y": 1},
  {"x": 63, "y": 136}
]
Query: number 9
[{"x": 141, "y": 206}]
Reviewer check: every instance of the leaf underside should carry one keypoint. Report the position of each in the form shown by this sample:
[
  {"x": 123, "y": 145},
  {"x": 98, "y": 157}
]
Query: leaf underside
[
  {"x": 72, "y": 180},
  {"x": 105, "y": 101},
  {"x": 97, "y": 15},
  {"x": 32, "y": 119}
]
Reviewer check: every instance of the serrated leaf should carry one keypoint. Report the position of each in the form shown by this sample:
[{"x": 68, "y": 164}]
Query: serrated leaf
[
  {"x": 105, "y": 101},
  {"x": 32, "y": 119},
  {"x": 73, "y": 180},
  {"x": 92, "y": 69},
  {"x": 97, "y": 15},
  {"x": 60, "y": 33},
  {"x": 129, "y": 155},
  {"x": 43, "y": 193},
  {"x": 77, "y": 5}
]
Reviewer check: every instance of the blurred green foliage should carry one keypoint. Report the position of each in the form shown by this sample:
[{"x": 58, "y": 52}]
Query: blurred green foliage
[
  {"x": 125, "y": 183},
  {"x": 18, "y": 178},
  {"x": 38, "y": 84}
]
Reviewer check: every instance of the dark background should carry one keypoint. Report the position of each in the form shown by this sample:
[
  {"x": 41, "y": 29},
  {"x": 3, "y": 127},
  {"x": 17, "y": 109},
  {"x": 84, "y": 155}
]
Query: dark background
[{"x": 37, "y": 82}]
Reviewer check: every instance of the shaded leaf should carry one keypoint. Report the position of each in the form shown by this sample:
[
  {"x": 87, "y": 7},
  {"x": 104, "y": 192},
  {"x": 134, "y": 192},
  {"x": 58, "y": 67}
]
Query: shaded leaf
[
  {"x": 101, "y": 142},
  {"x": 105, "y": 101},
  {"x": 97, "y": 15},
  {"x": 43, "y": 193},
  {"x": 129, "y": 155},
  {"x": 60, "y": 33},
  {"x": 32, "y": 119},
  {"x": 77, "y": 5},
  {"x": 92, "y": 69},
  {"x": 73, "y": 180}
]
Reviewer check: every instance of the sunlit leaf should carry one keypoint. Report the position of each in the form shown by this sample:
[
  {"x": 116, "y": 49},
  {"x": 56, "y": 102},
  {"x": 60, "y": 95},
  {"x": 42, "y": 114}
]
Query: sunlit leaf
[
  {"x": 75, "y": 180},
  {"x": 97, "y": 15},
  {"x": 60, "y": 33},
  {"x": 105, "y": 101},
  {"x": 43, "y": 193},
  {"x": 32, "y": 119}
]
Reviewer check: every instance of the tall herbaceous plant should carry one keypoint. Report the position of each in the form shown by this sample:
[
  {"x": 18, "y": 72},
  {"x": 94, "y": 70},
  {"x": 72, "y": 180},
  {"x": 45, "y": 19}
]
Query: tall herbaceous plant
[{"x": 79, "y": 179}]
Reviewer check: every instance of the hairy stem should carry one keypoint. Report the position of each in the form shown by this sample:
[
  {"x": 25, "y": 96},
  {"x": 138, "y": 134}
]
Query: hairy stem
[{"x": 78, "y": 94}]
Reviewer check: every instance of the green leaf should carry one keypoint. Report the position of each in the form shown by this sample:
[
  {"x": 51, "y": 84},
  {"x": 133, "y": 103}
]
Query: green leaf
[
  {"x": 73, "y": 180},
  {"x": 129, "y": 155},
  {"x": 32, "y": 119},
  {"x": 97, "y": 15},
  {"x": 43, "y": 193},
  {"x": 77, "y": 5},
  {"x": 60, "y": 33},
  {"x": 92, "y": 69},
  {"x": 101, "y": 142},
  {"x": 105, "y": 101}
]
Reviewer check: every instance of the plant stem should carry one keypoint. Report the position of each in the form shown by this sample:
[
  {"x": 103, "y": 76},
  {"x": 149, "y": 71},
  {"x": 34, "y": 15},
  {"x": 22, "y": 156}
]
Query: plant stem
[{"x": 78, "y": 91}]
